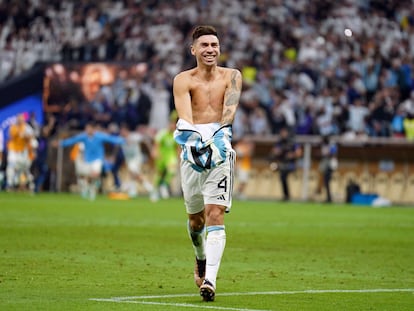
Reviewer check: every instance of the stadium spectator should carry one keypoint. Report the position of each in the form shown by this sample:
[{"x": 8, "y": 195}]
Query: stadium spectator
[
  {"x": 34, "y": 124},
  {"x": 397, "y": 123},
  {"x": 312, "y": 54},
  {"x": 358, "y": 114},
  {"x": 409, "y": 126},
  {"x": 160, "y": 94}
]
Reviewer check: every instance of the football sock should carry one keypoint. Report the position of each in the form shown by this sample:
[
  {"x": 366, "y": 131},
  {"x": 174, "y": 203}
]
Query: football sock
[
  {"x": 148, "y": 186},
  {"x": 10, "y": 176},
  {"x": 132, "y": 189},
  {"x": 83, "y": 186},
  {"x": 198, "y": 239},
  {"x": 164, "y": 191},
  {"x": 92, "y": 191},
  {"x": 216, "y": 241}
]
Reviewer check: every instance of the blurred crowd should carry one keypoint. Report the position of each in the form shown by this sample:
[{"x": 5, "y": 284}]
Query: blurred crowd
[{"x": 319, "y": 67}]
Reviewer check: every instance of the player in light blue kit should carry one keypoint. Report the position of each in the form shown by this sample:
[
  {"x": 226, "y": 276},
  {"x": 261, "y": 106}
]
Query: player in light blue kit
[{"x": 93, "y": 153}]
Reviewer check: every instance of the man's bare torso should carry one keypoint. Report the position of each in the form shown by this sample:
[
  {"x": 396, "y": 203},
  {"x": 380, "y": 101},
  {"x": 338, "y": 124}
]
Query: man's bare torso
[{"x": 207, "y": 94}]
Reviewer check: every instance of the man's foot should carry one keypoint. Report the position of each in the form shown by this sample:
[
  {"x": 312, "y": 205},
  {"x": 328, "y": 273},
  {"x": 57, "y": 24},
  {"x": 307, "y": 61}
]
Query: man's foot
[
  {"x": 199, "y": 271},
  {"x": 154, "y": 197},
  {"x": 207, "y": 291}
]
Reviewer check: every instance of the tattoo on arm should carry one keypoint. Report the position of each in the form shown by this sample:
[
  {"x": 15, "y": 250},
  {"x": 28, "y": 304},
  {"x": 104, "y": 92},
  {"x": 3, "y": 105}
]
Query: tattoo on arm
[{"x": 231, "y": 98}]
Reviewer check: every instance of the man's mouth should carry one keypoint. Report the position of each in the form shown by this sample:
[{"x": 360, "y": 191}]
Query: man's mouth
[{"x": 209, "y": 57}]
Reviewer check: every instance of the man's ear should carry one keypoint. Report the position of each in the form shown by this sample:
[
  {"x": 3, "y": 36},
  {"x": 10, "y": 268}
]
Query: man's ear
[{"x": 192, "y": 50}]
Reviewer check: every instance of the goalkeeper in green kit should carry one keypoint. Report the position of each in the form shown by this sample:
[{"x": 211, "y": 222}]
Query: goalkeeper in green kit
[{"x": 165, "y": 155}]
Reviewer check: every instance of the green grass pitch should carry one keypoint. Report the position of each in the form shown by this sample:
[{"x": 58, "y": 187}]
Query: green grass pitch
[{"x": 61, "y": 252}]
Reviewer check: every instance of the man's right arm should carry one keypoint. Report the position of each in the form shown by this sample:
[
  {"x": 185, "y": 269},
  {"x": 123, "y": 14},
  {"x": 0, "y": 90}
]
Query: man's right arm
[
  {"x": 182, "y": 98},
  {"x": 72, "y": 140}
]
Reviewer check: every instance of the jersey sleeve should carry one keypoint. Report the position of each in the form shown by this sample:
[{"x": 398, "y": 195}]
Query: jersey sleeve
[{"x": 73, "y": 140}]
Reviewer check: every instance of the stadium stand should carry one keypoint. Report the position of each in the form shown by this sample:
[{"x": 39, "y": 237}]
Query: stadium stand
[{"x": 312, "y": 75}]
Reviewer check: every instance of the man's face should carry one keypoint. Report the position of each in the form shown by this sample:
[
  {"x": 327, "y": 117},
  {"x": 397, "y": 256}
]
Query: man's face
[
  {"x": 124, "y": 132},
  {"x": 90, "y": 129},
  {"x": 206, "y": 49},
  {"x": 20, "y": 119}
]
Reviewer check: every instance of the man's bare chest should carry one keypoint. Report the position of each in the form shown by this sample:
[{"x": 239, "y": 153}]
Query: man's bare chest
[{"x": 208, "y": 91}]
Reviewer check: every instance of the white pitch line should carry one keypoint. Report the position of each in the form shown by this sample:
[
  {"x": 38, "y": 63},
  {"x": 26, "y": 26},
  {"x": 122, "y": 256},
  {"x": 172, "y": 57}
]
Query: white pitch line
[
  {"x": 186, "y": 305},
  {"x": 308, "y": 291},
  {"x": 140, "y": 299}
]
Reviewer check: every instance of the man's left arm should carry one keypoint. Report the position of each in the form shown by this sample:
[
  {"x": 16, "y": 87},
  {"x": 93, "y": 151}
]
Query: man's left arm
[{"x": 231, "y": 97}]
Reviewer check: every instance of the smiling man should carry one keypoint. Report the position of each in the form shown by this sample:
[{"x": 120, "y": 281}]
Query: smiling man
[{"x": 206, "y": 98}]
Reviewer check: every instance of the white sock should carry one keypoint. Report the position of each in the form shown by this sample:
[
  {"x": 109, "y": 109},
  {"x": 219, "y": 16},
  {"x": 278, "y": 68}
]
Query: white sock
[
  {"x": 10, "y": 175},
  {"x": 92, "y": 191},
  {"x": 83, "y": 187},
  {"x": 216, "y": 242},
  {"x": 148, "y": 186},
  {"x": 132, "y": 189},
  {"x": 198, "y": 238},
  {"x": 165, "y": 194}
]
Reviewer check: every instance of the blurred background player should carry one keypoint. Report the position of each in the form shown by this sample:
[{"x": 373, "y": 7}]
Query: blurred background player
[
  {"x": 21, "y": 148},
  {"x": 244, "y": 150},
  {"x": 93, "y": 156},
  {"x": 40, "y": 164},
  {"x": 134, "y": 159},
  {"x": 327, "y": 165},
  {"x": 285, "y": 153},
  {"x": 78, "y": 159},
  {"x": 116, "y": 159},
  {"x": 165, "y": 155}
]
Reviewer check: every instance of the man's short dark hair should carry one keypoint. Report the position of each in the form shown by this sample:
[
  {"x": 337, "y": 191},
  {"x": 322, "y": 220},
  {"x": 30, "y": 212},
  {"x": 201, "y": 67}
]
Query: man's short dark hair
[
  {"x": 91, "y": 123},
  {"x": 204, "y": 30}
]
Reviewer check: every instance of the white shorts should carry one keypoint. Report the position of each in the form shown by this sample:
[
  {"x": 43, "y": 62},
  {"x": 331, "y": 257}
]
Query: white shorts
[
  {"x": 83, "y": 168},
  {"x": 134, "y": 165},
  {"x": 210, "y": 186},
  {"x": 19, "y": 161}
]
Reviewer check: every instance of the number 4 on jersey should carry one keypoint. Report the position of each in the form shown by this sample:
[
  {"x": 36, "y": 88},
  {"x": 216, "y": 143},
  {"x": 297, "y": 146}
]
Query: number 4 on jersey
[{"x": 223, "y": 184}]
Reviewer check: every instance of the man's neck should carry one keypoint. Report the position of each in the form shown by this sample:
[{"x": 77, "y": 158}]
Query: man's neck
[{"x": 207, "y": 72}]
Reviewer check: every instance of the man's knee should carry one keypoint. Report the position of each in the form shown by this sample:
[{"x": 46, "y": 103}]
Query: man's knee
[
  {"x": 197, "y": 221},
  {"x": 215, "y": 214}
]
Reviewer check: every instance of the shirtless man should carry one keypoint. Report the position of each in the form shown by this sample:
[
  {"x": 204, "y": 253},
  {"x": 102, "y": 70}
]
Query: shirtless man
[{"x": 206, "y": 98}]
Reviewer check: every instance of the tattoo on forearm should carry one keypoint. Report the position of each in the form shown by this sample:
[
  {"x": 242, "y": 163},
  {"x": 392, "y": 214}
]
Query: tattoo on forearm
[
  {"x": 233, "y": 93},
  {"x": 231, "y": 99},
  {"x": 227, "y": 117}
]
